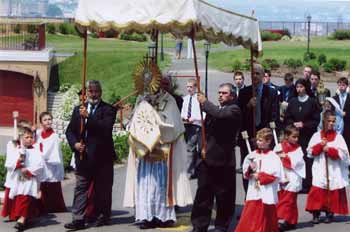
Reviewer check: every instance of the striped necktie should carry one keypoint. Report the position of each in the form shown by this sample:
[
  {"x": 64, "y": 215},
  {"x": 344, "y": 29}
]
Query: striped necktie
[{"x": 189, "y": 113}]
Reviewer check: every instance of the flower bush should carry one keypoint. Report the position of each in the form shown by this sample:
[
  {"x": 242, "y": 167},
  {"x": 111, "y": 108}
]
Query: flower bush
[{"x": 70, "y": 100}]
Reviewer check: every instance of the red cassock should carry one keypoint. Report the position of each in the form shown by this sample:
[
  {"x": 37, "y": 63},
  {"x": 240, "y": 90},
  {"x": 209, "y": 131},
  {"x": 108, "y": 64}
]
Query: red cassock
[
  {"x": 258, "y": 217},
  {"x": 7, "y": 206},
  {"x": 287, "y": 208},
  {"x": 24, "y": 206}
]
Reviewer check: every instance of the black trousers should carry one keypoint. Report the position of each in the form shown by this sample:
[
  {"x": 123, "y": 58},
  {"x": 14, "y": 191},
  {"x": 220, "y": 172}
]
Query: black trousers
[
  {"x": 103, "y": 183},
  {"x": 217, "y": 183}
]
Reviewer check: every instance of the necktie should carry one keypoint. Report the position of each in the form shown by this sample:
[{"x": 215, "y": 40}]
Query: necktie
[
  {"x": 92, "y": 108},
  {"x": 258, "y": 107},
  {"x": 189, "y": 113}
]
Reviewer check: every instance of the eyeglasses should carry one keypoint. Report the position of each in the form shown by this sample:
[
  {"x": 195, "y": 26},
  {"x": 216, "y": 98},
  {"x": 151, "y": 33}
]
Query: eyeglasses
[{"x": 223, "y": 92}]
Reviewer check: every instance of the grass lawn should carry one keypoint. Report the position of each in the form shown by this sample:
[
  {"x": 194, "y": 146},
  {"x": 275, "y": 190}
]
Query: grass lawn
[
  {"x": 110, "y": 61},
  {"x": 282, "y": 50}
]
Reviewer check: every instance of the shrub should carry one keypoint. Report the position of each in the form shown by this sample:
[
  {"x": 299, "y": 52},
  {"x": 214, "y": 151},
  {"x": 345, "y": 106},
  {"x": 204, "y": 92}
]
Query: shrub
[
  {"x": 65, "y": 87},
  {"x": 67, "y": 28},
  {"x": 341, "y": 34},
  {"x": 293, "y": 63},
  {"x": 121, "y": 146},
  {"x": 322, "y": 58},
  {"x": 133, "y": 37},
  {"x": 334, "y": 64},
  {"x": 237, "y": 65},
  {"x": 309, "y": 56},
  {"x": 270, "y": 36},
  {"x": 2, "y": 171},
  {"x": 51, "y": 28},
  {"x": 67, "y": 156},
  {"x": 271, "y": 64}
]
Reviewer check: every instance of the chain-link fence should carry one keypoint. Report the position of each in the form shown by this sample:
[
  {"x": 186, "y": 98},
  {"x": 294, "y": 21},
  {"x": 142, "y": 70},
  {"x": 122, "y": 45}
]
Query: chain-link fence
[{"x": 300, "y": 28}]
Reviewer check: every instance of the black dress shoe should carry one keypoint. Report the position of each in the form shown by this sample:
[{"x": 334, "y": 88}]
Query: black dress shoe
[
  {"x": 285, "y": 226},
  {"x": 75, "y": 225},
  {"x": 20, "y": 226},
  {"x": 166, "y": 224},
  {"x": 102, "y": 221},
  {"x": 145, "y": 225},
  {"x": 219, "y": 230}
]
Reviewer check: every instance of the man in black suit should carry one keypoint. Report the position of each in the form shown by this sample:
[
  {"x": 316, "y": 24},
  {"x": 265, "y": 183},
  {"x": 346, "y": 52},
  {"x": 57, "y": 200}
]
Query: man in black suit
[
  {"x": 343, "y": 99},
  {"x": 266, "y": 106},
  {"x": 217, "y": 179},
  {"x": 98, "y": 156}
]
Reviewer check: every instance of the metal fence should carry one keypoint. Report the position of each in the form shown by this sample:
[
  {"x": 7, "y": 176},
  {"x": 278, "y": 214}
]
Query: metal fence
[
  {"x": 300, "y": 28},
  {"x": 22, "y": 36}
]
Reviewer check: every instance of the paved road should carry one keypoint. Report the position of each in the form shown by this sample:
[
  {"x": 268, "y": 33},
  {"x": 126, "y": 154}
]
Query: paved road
[{"x": 122, "y": 219}]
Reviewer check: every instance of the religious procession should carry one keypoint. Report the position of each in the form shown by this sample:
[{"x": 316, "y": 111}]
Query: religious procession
[{"x": 291, "y": 140}]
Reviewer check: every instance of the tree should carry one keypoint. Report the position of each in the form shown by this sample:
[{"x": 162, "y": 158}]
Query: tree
[{"x": 54, "y": 11}]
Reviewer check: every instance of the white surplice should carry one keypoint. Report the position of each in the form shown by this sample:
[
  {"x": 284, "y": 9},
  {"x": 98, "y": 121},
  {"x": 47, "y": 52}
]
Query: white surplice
[
  {"x": 338, "y": 171},
  {"x": 52, "y": 156},
  {"x": 270, "y": 164},
  {"x": 34, "y": 164}
]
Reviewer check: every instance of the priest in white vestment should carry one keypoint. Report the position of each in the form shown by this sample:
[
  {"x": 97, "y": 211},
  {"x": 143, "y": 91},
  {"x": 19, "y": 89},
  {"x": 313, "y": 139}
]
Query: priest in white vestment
[{"x": 156, "y": 178}]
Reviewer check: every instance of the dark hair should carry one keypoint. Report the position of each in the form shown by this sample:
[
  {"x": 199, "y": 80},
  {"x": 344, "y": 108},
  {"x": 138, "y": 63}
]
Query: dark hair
[
  {"x": 343, "y": 80},
  {"x": 306, "y": 84},
  {"x": 238, "y": 73},
  {"x": 288, "y": 77},
  {"x": 44, "y": 114},
  {"x": 268, "y": 72},
  {"x": 230, "y": 86},
  {"x": 316, "y": 73},
  {"x": 290, "y": 129},
  {"x": 325, "y": 116}
]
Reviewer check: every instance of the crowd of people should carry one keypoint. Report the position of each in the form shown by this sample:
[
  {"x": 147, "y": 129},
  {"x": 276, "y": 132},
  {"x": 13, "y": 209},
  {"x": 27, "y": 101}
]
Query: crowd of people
[{"x": 175, "y": 140}]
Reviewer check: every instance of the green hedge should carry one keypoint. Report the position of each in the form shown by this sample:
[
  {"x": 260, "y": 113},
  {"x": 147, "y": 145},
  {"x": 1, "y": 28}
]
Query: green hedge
[
  {"x": 270, "y": 36},
  {"x": 341, "y": 34},
  {"x": 67, "y": 28},
  {"x": 133, "y": 37},
  {"x": 121, "y": 146},
  {"x": 67, "y": 156},
  {"x": 334, "y": 64}
]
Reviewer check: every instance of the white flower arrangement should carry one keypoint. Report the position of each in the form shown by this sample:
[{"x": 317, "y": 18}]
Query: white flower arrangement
[{"x": 70, "y": 100}]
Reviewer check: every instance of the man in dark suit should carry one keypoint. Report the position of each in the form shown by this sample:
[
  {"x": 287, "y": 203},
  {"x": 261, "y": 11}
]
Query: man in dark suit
[
  {"x": 217, "y": 179},
  {"x": 238, "y": 79},
  {"x": 97, "y": 159},
  {"x": 266, "y": 106},
  {"x": 343, "y": 99}
]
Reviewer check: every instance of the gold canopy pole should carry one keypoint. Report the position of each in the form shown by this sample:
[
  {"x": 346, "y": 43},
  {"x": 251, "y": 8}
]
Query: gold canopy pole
[
  {"x": 83, "y": 91},
  {"x": 204, "y": 141}
]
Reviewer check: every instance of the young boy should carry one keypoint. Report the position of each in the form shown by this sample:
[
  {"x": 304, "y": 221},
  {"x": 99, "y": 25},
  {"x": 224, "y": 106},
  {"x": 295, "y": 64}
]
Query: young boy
[
  {"x": 53, "y": 172},
  {"x": 26, "y": 171},
  {"x": 11, "y": 157},
  {"x": 291, "y": 155},
  {"x": 264, "y": 170},
  {"x": 329, "y": 171}
]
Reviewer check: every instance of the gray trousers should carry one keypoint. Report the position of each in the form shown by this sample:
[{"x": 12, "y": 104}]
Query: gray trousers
[
  {"x": 102, "y": 177},
  {"x": 193, "y": 138}
]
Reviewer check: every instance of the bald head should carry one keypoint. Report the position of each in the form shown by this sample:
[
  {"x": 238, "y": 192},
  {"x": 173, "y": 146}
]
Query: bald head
[{"x": 258, "y": 73}]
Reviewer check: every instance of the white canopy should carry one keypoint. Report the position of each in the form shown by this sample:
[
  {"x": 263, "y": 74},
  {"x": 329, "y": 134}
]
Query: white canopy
[{"x": 178, "y": 17}]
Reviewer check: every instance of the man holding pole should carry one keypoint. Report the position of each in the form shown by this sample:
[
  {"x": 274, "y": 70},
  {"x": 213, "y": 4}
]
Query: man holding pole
[
  {"x": 94, "y": 156},
  {"x": 217, "y": 179},
  {"x": 259, "y": 109}
]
